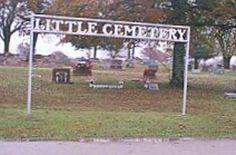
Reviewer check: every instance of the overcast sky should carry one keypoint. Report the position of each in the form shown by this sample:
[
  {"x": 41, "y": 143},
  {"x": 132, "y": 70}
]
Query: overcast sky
[
  {"x": 50, "y": 43},
  {"x": 46, "y": 45}
]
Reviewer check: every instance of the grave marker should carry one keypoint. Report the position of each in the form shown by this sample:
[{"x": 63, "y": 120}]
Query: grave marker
[
  {"x": 83, "y": 68},
  {"x": 61, "y": 75}
]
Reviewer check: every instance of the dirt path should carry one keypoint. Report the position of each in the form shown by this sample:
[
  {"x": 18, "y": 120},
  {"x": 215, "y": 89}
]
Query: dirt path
[{"x": 126, "y": 147}]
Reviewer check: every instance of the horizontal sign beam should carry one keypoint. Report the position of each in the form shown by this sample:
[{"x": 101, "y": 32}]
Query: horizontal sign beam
[{"x": 108, "y": 28}]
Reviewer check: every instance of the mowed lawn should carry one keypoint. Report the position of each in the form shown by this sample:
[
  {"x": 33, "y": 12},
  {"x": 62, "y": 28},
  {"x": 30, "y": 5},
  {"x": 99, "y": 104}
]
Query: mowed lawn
[{"x": 74, "y": 111}]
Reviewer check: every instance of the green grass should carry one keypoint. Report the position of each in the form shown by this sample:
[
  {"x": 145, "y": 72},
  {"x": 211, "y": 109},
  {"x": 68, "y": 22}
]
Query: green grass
[
  {"x": 75, "y": 124},
  {"x": 71, "y": 112}
]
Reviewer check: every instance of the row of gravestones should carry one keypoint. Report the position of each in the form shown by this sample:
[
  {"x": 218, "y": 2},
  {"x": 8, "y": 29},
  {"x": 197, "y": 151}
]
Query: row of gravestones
[
  {"x": 216, "y": 69},
  {"x": 62, "y": 75},
  {"x": 117, "y": 64}
]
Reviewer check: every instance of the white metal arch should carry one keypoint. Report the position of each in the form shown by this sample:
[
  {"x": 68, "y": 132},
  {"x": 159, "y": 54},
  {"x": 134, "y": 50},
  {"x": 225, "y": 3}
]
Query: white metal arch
[{"x": 108, "y": 28}]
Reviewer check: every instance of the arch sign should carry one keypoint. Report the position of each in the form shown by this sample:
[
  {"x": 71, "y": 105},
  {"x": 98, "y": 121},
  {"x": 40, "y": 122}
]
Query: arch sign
[{"x": 48, "y": 24}]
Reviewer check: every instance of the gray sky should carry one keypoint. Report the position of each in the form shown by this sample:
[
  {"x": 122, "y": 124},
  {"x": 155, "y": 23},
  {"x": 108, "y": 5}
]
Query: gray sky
[
  {"x": 50, "y": 43},
  {"x": 45, "y": 45}
]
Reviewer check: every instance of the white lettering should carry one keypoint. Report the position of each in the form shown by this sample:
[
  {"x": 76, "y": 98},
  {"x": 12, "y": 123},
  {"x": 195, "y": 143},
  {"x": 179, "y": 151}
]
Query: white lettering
[
  {"x": 48, "y": 24},
  {"x": 172, "y": 34},
  {"x": 164, "y": 33},
  {"x": 142, "y": 31},
  {"x": 70, "y": 25},
  {"x": 92, "y": 27},
  {"x": 155, "y": 33},
  {"x": 57, "y": 24},
  {"x": 118, "y": 30},
  {"x": 37, "y": 23},
  {"x": 129, "y": 30},
  {"x": 79, "y": 28},
  {"x": 106, "y": 28},
  {"x": 181, "y": 33}
]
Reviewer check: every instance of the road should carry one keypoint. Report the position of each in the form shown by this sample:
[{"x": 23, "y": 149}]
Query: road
[{"x": 123, "y": 147}]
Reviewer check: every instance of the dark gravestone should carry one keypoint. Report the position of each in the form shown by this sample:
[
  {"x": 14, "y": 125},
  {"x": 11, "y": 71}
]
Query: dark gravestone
[
  {"x": 83, "y": 68},
  {"x": 1, "y": 59},
  {"x": 149, "y": 74},
  {"x": 61, "y": 75},
  {"x": 116, "y": 64},
  {"x": 234, "y": 68},
  {"x": 190, "y": 67}
]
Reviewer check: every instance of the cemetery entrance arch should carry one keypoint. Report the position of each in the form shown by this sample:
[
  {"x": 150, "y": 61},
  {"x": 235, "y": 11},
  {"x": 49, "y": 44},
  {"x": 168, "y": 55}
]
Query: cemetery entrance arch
[{"x": 48, "y": 24}]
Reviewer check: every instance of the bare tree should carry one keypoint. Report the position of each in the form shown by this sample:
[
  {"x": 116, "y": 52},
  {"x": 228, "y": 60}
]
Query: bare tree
[
  {"x": 11, "y": 20},
  {"x": 227, "y": 43},
  {"x": 38, "y": 7}
]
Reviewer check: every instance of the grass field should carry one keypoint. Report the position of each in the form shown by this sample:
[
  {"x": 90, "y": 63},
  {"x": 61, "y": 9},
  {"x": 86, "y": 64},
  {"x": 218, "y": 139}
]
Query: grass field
[{"x": 71, "y": 112}]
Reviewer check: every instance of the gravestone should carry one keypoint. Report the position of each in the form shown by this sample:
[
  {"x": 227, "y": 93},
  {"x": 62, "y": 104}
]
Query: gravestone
[
  {"x": 61, "y": 75},
  {"x": 116, "y": 64},
  {"x": 196, "y": 71},
  {"x": 190, "y": 67},
  {"x": 153, "y": 86},
  {"x": 234, "y": 68},
  {"x": 150, "y": 73},
  {"x": 1, "y": 59},
  {"x": 83, "y": 68},
  {"x": 130, "y": 63},
  {"x": 230, "y": 95},
  {"x": 218, "y": 69}
]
